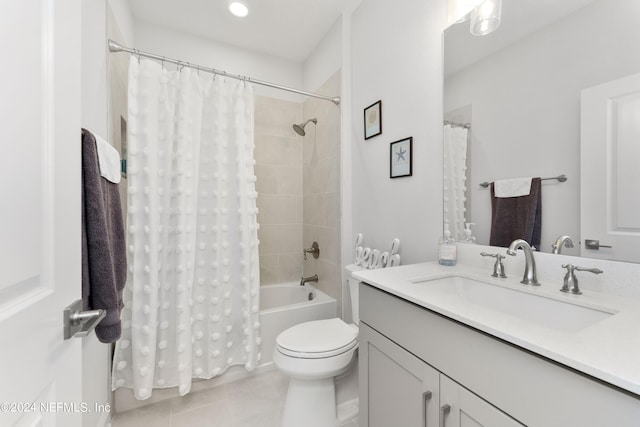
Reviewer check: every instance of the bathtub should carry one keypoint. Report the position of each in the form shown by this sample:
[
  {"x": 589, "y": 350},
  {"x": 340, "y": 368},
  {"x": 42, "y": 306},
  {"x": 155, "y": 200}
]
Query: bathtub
[
  {"x": 281, "y": 306},
  {"x": 285, "y": 305}
]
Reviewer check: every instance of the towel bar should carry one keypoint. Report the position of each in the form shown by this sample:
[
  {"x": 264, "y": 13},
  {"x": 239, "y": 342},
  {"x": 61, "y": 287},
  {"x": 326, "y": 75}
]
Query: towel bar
[{"x": 561, "y": 178}]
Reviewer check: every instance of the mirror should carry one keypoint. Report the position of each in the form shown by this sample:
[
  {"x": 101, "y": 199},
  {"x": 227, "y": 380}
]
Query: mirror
[{"x": 519, "y": 89}]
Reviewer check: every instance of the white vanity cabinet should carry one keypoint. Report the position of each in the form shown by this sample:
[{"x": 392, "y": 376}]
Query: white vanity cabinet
[
  {"x": 461, "y": 408},
  {"x": 414, "y": 361},
  {"x": 402, "y": 390}
]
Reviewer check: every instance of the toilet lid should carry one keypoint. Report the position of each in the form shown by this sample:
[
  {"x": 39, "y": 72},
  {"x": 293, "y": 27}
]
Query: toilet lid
[{"x": 318, "y": 338}]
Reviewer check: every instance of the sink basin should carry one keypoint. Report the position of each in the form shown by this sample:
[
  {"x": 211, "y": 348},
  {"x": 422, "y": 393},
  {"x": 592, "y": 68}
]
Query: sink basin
[{"x": 538, "y": 309}]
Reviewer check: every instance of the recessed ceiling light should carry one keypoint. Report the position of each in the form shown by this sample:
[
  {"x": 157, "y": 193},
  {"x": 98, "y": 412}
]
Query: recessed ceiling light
[{"x": 238, "y": 9}]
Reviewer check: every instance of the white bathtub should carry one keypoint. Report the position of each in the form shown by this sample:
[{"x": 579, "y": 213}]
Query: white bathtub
[
  {"x": 285, "y": 305},
  {"x": 281, "y": 306}
]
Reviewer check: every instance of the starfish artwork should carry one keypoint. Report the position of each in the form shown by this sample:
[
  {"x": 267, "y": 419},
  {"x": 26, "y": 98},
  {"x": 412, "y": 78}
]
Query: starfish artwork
[{"x": 400, "y": 153}]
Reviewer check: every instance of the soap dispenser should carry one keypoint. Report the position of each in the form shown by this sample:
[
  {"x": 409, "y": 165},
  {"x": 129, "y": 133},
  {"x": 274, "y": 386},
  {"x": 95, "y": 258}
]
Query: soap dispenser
[
  {"x": 466, "y": 234},
  {"x": 447, "y": 249}
]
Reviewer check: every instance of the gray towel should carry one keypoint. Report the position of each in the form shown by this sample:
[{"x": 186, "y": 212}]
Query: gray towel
[
  {"x": 104, "y": 263},
  {"x": 517, "y": 217}
]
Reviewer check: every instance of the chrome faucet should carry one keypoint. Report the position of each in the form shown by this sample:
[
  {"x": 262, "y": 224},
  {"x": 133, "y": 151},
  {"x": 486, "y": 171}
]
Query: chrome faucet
[
  {"x": 530, "y": 263},
  {"x": 563, "y": 240},
  {"x": 571, "y": 281},
  {"x": 313, "y": 250},
  {"x": 498, "y": 267},
  {"x": 304, "y": 280}
]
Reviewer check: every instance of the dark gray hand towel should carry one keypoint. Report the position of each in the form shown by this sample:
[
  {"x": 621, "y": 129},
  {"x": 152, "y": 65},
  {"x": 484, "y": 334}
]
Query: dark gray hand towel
[
  {"x": 104, "y": 263},
  {"x": 516, "y": 217}
]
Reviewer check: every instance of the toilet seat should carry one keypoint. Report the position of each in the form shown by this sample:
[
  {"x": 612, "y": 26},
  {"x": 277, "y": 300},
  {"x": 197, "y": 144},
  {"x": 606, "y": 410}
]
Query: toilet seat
[{"x": 318, "y": 339}]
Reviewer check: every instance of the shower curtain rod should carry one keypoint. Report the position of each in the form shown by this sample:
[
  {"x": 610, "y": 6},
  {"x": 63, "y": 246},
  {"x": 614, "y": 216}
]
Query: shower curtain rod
[
  {"x": 460, "y": 125},
  {"x": 115, "y": 47}
]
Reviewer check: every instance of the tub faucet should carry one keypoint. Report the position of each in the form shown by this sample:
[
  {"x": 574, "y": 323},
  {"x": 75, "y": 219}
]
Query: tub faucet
[
  {"x": 530, "y": 263},
  {"x": 304, "y": 280},
  {"x": 563, "y": 240}
]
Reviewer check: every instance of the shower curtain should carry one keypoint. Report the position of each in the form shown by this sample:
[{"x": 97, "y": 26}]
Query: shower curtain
[
  {"x": 192, "y": 293},
  {"x": 455, "y": 176}
]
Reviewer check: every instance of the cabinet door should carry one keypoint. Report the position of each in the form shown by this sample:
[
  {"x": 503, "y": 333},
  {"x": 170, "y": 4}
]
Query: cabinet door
[
  {"x": 397, "y": 388},
  {"x": 461, "y": 408}
]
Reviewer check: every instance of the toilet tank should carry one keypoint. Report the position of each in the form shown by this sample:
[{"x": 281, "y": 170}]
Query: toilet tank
[{"x": 353, "y": 291}]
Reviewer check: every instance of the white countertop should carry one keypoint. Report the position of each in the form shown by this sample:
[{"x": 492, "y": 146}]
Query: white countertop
[{"x": 608, "y": 350}]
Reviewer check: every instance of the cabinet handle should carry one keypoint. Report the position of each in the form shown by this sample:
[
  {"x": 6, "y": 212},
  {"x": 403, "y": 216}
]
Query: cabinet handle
[
  {"x": 444, "y": 411},
  {"x": 426, "y": 396}
]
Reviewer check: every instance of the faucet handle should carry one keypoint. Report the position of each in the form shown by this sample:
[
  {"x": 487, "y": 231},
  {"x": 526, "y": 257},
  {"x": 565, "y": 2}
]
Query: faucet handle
[
  {"x": 570, "y": 283},
  {"x": 590, "y": 270},
  {"x": 498, "y": 267},
  {"x": 313, "y": 250},
  {"x": 492, "y": 255}
]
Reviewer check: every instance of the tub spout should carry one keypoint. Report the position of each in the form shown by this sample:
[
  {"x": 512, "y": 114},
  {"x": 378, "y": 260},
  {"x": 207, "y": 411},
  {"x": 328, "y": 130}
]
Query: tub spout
[{"x": 304, "y": 280}]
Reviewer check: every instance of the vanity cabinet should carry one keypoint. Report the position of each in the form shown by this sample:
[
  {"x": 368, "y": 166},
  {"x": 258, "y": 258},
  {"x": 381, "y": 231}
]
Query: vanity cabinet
[
  {"x": 413, "y": 361},
  {"x": 465, "y": 409},
  {"x": 400, "y": 389}
]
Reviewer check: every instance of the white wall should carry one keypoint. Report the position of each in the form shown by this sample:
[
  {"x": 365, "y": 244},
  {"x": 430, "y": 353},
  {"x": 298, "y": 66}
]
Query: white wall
[
  {"x": 324, "y": 60},
  {"x": 396, "y": 56},
  {"x": 124, "y": 17},
  {"x": 542, "y": 74},
  {"x": 197, "y": 50},
  {"x": 94, "y": 67},
  {"x": 95, "y": 355}
]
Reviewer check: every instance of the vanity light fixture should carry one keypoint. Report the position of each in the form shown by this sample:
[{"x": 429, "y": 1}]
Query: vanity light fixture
[
  {"x": 238, "y": 8},
  {"x": 485, "y": 18},
  {"x": 458, "y": 10}
]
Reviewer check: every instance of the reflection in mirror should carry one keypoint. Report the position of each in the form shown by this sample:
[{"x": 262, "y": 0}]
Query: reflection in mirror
[{"x": 519, "y": 91}]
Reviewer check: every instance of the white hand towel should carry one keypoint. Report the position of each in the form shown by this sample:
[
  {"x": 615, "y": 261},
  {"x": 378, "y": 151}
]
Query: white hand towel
[
  {"x": 109, "y": 160},
  {"x": 512, "y": 187}
]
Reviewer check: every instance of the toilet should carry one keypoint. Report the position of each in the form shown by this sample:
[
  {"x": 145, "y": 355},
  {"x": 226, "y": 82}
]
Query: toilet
[{"x": 312, "y": 354}]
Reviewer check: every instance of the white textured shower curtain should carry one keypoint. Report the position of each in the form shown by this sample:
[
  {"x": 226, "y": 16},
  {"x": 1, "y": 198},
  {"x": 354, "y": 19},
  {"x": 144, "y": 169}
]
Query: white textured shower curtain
[
  {"x": 455, "y": 177},
  {"x": 192, "y": 293}
]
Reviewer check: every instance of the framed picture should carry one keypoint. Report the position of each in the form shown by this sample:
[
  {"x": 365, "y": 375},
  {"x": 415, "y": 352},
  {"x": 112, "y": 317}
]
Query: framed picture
[
  {"x": 123, "y": 147},
  {"x": 400, "y": 160},
  {"x": 373, "y": 120}
]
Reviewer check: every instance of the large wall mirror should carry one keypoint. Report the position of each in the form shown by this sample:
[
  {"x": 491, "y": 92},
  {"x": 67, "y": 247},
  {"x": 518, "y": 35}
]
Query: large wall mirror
[{"x": 519, "y": 91}]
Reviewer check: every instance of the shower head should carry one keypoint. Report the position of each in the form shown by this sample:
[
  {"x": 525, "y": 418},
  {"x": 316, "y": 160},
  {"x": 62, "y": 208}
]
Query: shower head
[{"x": 299, "y": 128}]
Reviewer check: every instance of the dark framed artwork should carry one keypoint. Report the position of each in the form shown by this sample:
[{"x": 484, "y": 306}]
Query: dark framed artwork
[
  {"x": 400, "y": 158},
  {"x": 123, "y": 147},
  {"x": 373, "y": 120}
]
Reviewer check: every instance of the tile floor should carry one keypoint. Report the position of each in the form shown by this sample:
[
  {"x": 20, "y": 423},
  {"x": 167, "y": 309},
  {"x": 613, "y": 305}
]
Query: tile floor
[{"x": 252, "y": 402}]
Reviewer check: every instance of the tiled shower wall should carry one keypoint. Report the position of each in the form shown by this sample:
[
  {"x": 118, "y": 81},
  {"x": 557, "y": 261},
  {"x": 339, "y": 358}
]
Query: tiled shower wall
[
  {"x": 299, "y": 188},
  {"x": 278, "y": 154},
  {"x": 322, "y": 188}
]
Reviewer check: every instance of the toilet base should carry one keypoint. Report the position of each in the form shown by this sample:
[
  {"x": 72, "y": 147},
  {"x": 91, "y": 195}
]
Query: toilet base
[{"x": 310, "y": 403}]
